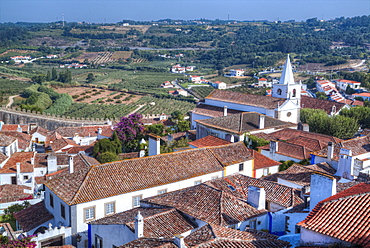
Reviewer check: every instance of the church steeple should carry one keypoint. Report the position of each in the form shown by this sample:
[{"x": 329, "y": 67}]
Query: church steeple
[{"x": 287, "y": 74}]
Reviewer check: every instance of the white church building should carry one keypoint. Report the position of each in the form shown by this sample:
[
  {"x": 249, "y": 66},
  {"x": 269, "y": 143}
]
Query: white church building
[{"x": 284, "y": 104}]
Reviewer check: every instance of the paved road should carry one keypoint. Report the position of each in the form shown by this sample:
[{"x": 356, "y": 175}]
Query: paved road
[{"x": 11, "y": 100}]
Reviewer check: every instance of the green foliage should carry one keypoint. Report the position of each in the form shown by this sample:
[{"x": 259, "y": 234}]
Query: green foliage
[
  {"x": 61, "y": 105},
  {"x": 39, "y": 99},
  {"x": 285, "y": 164},
  {"x": 338, "y": 126},
  {"x": 182, "y": 126},
  {"x": 177, "y": 115},
  {"x": 8, "y": 212},
  {"x": 321, "y": 95},
  {"x": 106, "y": 157},
  {"x": 361, "y": 114},
  {"x": 11, "y": 87},
  {"x": 157, "y": 129},
  {"x": 202, "y": 92},
  {"x": 253, "y": 142},
  {"x": 90, "y": 78}
]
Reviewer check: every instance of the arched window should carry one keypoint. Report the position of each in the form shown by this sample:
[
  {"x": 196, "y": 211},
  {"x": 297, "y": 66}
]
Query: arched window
[
  {"x": 294, "y": 92},
  {"x": 279, "y": 91}
]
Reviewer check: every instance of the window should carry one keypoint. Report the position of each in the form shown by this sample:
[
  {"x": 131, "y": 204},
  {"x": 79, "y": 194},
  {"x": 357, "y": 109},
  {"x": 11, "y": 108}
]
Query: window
[
  {"x": 51, "y": 199},
  {"x": 14, "y": 180},
  {"x": 279, "y": 91},
  {"x": 62, "y": 211},
  {"x": 198, "y": 182},
  {"x": 89, "y": 213},
  {"x": 162, "y": 191},
  {"x": 265, "y": 171},
  {"x": 25, "y": 177},
  {"x": 98, "y": 241},
  {"x": 110, "y": 208},
  {"x": 253, "y": 224},
  {"x": 241, "y": 167},
  {"x": 294, "y": 92},
  {"x": 136, "y": 200}
]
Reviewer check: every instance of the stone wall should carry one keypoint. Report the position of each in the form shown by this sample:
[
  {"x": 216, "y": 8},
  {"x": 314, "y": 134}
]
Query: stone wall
[{"x": 50, "y": 122}]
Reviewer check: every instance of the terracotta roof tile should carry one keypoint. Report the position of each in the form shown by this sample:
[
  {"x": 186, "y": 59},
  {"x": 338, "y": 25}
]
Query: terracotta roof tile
[
  {"x": 291, "y": 150},
  {"x": 24, "y": 140},
  {"x": 14, "y": 127},
  {"x": 243, "y": 122},
  {"x": 280, "y": 194},
  {"x": 246, "y": 99},
  {"x": 326, "y": 105},
  {"x": 232, "y": 153},
  {"x": 358, "y": 146},
  {"x": 39, "y": 130},
  {"x": 24, "y": 158},
  {"x": 10, "y": 192},
  {"x": 344, "y": 216},
  {"x": 213, "y": 111},
  {"x": 288, "y": 133},
  {"x": 33, "y": 216},
  {"x": 123, "y": 176},
  {"x": 85, "y": 131},
  {"x": 207, "y": 204},
  {"x": 62, "y": 143},
  {"x": 301, "y": 174},
  {"x": 6, "y": 140},
  {"x": 158, "y": 222},
  {"x": 261, "y": 161},
  {"x": 150, "y": 242},
  {"x": 209, "y": 140}
]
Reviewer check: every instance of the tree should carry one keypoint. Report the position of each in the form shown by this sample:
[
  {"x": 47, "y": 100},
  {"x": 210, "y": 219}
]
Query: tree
[
  {"x": 130, "y": 131},
  {"x": 177, "y": 115},
  {"x": 182, "y": 126},
  {"x": 54, "y": 75},
  {"x": 90, "y": 78},
  {"x": 321, "y": 95},
  {"x": 361, "y": 114},
  {"x": 338, "y": 126},
  {"x": 253, "y": 142},
  {"x": 48, "y": 76},
  {"x": 106, "y": 157},
  {"x": 157, "y": 129}
]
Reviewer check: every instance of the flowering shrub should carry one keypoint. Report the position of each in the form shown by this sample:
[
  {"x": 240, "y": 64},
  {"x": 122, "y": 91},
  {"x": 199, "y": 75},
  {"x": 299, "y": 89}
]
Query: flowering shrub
[
  {"x": 25, "y": 242},
  {"x": 129, "y": 130}
]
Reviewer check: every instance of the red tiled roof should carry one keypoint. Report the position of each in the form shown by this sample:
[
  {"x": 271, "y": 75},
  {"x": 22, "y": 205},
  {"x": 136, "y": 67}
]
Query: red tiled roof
[
  {"x": 212, "y": 111},
  {"x": 209, "y": 140},
  {"x": 326, "y": 105},
  {"x": 39, "y": 130},
  {"x": 33, "y": 216},
  {"x": 85, "y": 131},
  {"x": 14, "y": 127},
  {"x": 246, "y": 99},
  {"x": 291, "y": 150},
  {"x": 344, "y": 216},
  {"x": 288, "y": 133},
  {"x": 24, "y": 158},
  {"x": 59, "y": 144},
  {"x": 134, "y": 174},
  {"x": 243, "y": 122},
  {"x": 301, "y": 174},
  {"x": 280, "y": 194},
  {"x": 10, "y": 192},
  {"x": 261, "y": 161},
  {"x": 358, "y": 146},
  {"x": 6, "y": 140},
  {"x": 24, "y": 140},
  {"x": 207, "y": 204},
  {"x": 158, "y": 222},
  {"x": 150, "y": 243}
]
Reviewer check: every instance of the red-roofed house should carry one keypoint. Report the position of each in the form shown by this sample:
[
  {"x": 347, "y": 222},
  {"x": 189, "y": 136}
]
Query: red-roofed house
[
  {"x": 342, "y": 84},
  {"x": 364, "y": 96},
  {"x": 342, "y": 219},
  {"x": 218, "y": 85}
]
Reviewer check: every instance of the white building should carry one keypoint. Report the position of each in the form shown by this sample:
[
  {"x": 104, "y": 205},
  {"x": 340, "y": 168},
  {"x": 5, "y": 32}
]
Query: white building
[
  {"x": 77, "y": 198},
  {"x": 218, "y": 85}
]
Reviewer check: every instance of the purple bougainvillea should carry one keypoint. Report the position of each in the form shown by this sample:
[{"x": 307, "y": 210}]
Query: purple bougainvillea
[{"x": 129, "y": 127}]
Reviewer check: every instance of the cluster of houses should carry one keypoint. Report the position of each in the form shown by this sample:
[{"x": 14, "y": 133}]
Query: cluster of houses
[
  {"x": 218, "y": 192},
  {"x": 74, "y": 65},
  {"x": 29, "y": 59}
]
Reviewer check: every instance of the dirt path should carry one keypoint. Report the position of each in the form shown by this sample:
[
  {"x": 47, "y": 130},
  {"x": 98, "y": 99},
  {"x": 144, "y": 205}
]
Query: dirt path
[
  {"x": 137, "y": 109},
  {"x": 11, "y": 100}
]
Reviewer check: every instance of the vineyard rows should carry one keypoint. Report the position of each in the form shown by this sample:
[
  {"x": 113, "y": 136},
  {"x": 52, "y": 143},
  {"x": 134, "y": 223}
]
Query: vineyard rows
[{"x": 103, "y": 58}]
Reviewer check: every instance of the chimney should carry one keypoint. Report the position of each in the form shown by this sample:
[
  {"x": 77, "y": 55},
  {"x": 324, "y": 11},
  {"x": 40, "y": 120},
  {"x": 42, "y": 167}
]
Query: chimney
[
  {"x": 322, "y": 187},
  {"x": 1, "y": 125},
  {"x": 179, "y": 241},
  {"x": 154, "y": 144},
  {"x": 70, "y": 164},
  {"x": 225, "y": 110},
  {"x": 139, "y": 226},
  {"x": 33, "y": 161},
  {"x": 19, "y": 129},
  {"x": 52, "y": 163},
  {"x": 256, "y": 197},
  {"x": 261, "y": 124},
  {"x": 330, "y": 151},
  {"x": 100, "y": 130},
  {"x": 169, "y": 138},
  {"x": 18, "y": 165},
  {"x": 76, "y": 138},
  {"x": 303, "y": 127},
  {"x": 346, "y": 165},
  {"x": 274, "y": 146}
]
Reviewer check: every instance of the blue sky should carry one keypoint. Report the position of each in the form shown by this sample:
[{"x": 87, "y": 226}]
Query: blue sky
[{"x": 100, "y": 11}]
